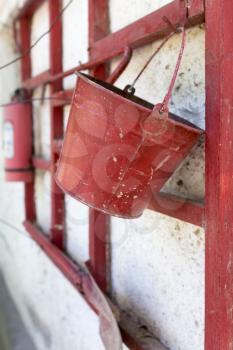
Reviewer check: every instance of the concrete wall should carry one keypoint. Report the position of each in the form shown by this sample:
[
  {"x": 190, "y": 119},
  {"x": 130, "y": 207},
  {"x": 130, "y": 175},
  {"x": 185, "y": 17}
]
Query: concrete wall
[{"x": 157, "y": 263}]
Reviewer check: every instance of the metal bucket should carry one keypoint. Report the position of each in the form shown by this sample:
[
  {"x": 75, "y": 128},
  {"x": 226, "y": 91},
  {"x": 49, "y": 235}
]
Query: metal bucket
[{"x": 119, "y": 149}]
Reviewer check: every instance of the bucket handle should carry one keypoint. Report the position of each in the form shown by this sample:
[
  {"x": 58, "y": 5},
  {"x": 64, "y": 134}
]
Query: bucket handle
[
  {"x": 163, "y": 107},
  {"x": 121, "y": 66}
]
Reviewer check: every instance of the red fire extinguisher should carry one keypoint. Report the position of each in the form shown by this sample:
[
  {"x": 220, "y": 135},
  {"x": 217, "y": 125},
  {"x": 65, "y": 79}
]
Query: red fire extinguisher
[{"x": 17, "y": 138}]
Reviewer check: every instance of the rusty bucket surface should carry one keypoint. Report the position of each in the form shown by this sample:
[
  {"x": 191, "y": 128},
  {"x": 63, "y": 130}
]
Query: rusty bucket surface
[{"x": 116, "y": 152}]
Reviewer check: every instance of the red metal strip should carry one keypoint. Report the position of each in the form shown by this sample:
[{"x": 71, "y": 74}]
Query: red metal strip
[
  {"x": 178, "y": 208},
  {"x": 219, "y": 176},
  {"x": 98, "y": 222},
  {"x": 145, "y": 30},
  {"x": 56, "y": 117}
]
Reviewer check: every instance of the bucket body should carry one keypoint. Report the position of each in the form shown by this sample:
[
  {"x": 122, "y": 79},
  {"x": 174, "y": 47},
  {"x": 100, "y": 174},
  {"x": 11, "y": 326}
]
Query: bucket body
[
  {"x": 17, "y": 142},
  {"x": 109, "y": 160}
]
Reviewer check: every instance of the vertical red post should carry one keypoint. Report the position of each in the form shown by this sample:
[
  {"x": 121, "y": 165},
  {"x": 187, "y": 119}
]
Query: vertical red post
[
  {"x": 219, "y": 176},
  {"x": 98, "y": 222},
  {"x": 25, "y": 42},
  {"x": 56, "y": 115}
]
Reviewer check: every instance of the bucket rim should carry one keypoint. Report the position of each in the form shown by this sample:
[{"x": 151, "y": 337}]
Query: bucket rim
[{"x": 139, "y": 102}]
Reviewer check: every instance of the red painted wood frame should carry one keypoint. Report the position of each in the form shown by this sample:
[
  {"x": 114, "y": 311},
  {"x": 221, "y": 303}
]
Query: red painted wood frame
[
  {"x": 98, "y": 222},
  {"x": 219, "y": 175},
  {"x": 217, "y": 217}
]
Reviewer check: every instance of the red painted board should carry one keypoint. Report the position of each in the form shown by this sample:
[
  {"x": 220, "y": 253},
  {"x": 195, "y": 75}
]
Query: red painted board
[
  {"x": 56, "y": 123},
  {"x": 98, "y": 222},
  {"x": 144, "y": 30},
  {"x": 219, "y": 176}
]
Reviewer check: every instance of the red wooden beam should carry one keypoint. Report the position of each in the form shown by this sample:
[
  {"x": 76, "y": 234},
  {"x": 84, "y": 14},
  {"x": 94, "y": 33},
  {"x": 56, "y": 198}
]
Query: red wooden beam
[
  {"x": 29, "y": 201},
  {"x": 146, "y": 29},
  {"x": 56, "y": 122},
  {"x": 178, "y": 208},
  {"x": 29, "y": 8},
  {"x": 98, "y": 222},
  {"x": 196, "y": 9},
  {"x": 25, "y": 40},
  {"x": 36, "y": 81},
  {"x": 98, "y": 20},
  {"x": 47, "y": 77},
  {"x": 219, "y": 176},
  {"x": 70, "y": 270}
]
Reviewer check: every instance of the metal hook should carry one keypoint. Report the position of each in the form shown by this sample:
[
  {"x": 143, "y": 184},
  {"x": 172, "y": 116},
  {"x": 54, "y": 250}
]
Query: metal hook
[{"x": 121, "y": 66}]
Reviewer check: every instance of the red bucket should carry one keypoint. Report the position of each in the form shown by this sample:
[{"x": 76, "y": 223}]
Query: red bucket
[{"x": 118, "y": 150}]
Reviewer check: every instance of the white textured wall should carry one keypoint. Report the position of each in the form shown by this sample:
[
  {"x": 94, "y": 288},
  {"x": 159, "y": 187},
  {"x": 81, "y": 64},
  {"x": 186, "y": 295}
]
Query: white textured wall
[
  {"x": 77, "y": 237},
  {"x": 123, "y": 13},
  {"x": 75, "y": 38},
  {"x": 40, "y": 53},
  {"x": 157, "y": 262}
]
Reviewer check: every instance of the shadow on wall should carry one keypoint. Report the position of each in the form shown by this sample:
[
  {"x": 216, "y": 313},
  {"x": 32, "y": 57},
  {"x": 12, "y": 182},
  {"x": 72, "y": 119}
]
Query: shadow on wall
[{"x": 13, "y": 334}]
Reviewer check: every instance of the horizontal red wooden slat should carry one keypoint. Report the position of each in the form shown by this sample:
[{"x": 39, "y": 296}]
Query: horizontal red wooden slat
[
  {"x": 25, "y": 38},
  {"x": 36, "y": 81},
  {"x": 145, "y": 30},
  {"x": 178, "y": 208},
  {"x": 152, "y": 27}
]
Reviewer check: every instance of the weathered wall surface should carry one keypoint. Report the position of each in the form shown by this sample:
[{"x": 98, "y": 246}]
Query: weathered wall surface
[{"x": 157, "y": 262}]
